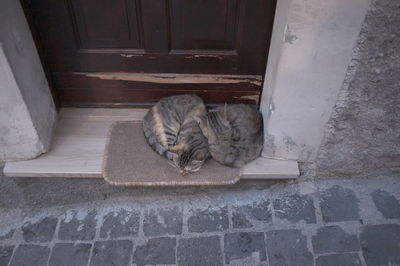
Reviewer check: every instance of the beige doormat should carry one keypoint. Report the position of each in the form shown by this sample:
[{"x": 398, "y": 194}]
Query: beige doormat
[{"x": 129, "y": 161}]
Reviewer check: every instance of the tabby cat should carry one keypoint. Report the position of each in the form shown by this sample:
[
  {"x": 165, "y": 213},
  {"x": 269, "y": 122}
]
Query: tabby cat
[
  {"x": 234, "y": 133},
  {"x": 171, "y": 130}
]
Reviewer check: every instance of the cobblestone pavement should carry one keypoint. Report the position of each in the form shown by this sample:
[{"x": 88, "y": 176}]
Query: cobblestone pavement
[{"x": 338, "y": 222}]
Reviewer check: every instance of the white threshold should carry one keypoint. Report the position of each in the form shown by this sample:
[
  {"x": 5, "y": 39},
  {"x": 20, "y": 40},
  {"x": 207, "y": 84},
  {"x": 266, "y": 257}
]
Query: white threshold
[{"x": 79, "y": 143}]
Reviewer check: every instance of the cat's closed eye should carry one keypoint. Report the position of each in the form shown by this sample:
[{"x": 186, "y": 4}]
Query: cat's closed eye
[{"x": 198, "y": 156}]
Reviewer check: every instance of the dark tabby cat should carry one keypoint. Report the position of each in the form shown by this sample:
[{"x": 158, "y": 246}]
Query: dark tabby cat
[
  {"x": 172, "y": 131},
  {"x": 234, "y": 133}
]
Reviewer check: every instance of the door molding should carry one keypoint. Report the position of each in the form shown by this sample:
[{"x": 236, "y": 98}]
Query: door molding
[{"x": 142, "y": 89}]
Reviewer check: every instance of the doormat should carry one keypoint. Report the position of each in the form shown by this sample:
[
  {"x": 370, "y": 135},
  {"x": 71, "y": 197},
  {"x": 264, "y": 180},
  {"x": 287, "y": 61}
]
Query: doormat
[{"x": 129, "y": 161}]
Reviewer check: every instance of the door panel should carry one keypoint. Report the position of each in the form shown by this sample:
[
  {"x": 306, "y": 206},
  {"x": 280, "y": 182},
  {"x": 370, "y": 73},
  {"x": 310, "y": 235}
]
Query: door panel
[
  {"x": 105, "y": 24},
  {"x": 203, "y": 24},
  {"x": 155, "y": 26},
  {"x": 212, "y": 37}
]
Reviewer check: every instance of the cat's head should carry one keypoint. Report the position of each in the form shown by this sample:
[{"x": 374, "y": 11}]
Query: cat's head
[
  {"x": 214, "y": 125},
  {"x": 188, "y": 160}
]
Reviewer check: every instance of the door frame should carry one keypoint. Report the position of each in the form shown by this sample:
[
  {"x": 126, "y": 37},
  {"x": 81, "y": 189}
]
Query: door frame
[{"x": 296, "y": 108}]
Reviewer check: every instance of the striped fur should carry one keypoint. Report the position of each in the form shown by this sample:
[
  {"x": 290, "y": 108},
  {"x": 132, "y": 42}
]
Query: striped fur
[
  {"x": 234, "y": 133},
  {"x": 171, "y": 130}
]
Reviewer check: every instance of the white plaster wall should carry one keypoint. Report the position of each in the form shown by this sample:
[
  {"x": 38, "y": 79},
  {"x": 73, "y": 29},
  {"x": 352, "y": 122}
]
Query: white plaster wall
[
  {"x": 312, "y": 45},
  {"x": 27, "y": 111},
  {"x": 17, "y": 134}
]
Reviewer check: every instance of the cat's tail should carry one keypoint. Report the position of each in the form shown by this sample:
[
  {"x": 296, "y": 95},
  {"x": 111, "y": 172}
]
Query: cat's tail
[{"x": 151, "y": 136}]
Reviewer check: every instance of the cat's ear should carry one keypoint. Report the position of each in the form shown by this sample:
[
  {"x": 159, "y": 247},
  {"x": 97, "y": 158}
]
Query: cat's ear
[
  {"x": 176, "y": 148},
  {"x": 224, "y": 114},
  {"x": 200, "y": 119}
]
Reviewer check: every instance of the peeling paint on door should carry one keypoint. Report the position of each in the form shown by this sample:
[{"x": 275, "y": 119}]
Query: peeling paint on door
[{"x": 177, "y": 78}]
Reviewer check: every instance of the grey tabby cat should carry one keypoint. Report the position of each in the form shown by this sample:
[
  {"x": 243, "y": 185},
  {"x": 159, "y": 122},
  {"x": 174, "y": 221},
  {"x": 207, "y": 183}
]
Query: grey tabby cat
[
  {"x": 234, "y": 133},
  {"x": 171, "y": 130}
]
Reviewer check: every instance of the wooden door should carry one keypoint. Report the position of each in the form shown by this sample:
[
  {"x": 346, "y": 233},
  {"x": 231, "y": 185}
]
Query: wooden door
[{"x": 132, "y": 52}]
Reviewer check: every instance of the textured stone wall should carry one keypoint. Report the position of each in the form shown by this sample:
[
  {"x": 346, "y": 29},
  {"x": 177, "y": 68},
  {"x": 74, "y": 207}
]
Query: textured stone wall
[{"x": 363, "y": 134}]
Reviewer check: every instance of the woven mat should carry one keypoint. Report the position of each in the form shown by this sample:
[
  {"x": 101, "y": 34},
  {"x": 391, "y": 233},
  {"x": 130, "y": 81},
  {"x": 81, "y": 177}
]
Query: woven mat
[{"x": 129, "y": 161}]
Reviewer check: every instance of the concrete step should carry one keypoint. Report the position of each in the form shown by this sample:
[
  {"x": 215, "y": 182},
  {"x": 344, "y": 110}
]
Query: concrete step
[{"x": 79, "y": 143}]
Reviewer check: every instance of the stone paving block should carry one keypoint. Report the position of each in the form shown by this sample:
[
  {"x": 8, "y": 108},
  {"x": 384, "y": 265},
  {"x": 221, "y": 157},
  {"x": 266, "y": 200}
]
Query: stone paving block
[
  {"x": 200, "y": 251},
  {"x": 120, "y": 224},
  {"x": 67, "y": 254},
  {"x": 208, "y": 220},
  {"x": 40, "y": 231},
  {"x": 386, "y": 203},
  {"x": 29, "y": 255},
  {"x": 288, "y": 247},
  {"x": 74, "y": 227},
  {"x": 242, "y": 245},
  {"x": 339, "y": 204},
  {"x": 111, "y": 252},
  {"x": 334, "y": 239},
  {"x": 346, "y": 259},
  {"x": 7, "y": 235},
  {"x": 381, "y": 244},
  {"x": 167, "y": 221},
  {"x": 295, "y": 208},
  {"x": 253, "y": 260},
  {"x": 156, "y": 251},
  {"x": 243, "y": 216},
  {"x": 5, "y": 255}
]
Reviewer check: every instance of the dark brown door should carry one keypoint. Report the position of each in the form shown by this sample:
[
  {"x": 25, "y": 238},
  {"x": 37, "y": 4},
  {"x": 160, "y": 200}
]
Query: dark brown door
[{"x": 129, "y": 52}]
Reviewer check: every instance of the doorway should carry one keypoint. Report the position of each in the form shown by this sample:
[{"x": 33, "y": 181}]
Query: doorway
[{"x": 132, "y": 53}]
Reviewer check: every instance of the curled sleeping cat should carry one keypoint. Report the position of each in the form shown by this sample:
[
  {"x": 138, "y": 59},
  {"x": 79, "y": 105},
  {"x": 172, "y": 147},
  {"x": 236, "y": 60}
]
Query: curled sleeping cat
[
  {"x": 234, "y": 133},
  {"x": 171, "y": 129}
]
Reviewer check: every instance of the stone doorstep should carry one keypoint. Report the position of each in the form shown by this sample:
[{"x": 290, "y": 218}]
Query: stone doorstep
[{"x": 79, "y": 143}]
